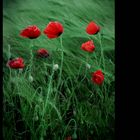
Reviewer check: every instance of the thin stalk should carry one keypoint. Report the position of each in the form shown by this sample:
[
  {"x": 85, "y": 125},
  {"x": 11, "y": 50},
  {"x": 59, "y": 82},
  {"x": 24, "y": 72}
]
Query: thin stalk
[
  {"x": 48, "y": 92},
  {"x": 95, "y": 50},
  {"x": 61, "y": 65},
  {"x": 67, "y": 127},
  {"x": 29, "y": 67},
  {"x": 31, "y": 54},
  {"x": 9, "y": 56},
  {"x": 88, "y": 56},
  {"x": 102, "y": 54},
  {"x": 50, "y": 83},
  {"x": 9, "y": 51}
]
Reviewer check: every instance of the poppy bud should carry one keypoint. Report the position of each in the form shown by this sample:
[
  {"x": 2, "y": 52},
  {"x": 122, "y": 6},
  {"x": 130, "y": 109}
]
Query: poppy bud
[
  {"x": 74, "y": 136},
  {"x": 31, "y": 78},
  {"x": 36, "y": 118},
  {"x": 88, "y": 66},
  {"x": 55, "y": 67}
]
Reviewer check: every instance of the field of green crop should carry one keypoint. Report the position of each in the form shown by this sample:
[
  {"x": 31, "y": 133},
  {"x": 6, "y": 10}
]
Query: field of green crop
[{"x": 65, "y": 102}]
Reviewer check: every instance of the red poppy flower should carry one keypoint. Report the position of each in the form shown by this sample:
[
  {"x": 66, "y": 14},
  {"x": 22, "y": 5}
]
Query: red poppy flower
[
  {"x": 98, "y": 77},
  {"x": 53, "y": 29},
  {"x": 17, "y": 63},
  {"x": 88, "y": 46},
  {"x": 92, "y": 28},
  {"x": 68, "y": 138},
  {"x": 31, "y": 32},
  {"x": 42, "y": 53}
]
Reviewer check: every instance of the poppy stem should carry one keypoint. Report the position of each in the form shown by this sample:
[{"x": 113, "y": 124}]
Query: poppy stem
[
  {"x": 9, "y": 51},
  {"x": 9, "y": 56},
  {"x": 96, "y": 58},
  {"x": 50, "y": 83},
  {"x": 61, "y": 65},
  {"x": 68, "y": 125},
  {"x": 10, "y": 74},
  {"x": 95, "y": 48},
  {"x": 102, "y": 53},
  {"x": 31, "y": 55},
  {"x": 29, "y": 67},
  {"x": 88, "y": 56}
]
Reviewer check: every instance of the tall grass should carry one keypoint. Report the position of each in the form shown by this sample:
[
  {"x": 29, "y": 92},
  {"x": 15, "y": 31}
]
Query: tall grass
[{"x": 63, "y": 102}]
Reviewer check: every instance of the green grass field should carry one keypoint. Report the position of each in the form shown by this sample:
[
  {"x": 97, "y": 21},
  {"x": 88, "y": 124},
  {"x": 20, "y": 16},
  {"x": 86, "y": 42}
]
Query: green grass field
[{"x": 54, "y": 106}]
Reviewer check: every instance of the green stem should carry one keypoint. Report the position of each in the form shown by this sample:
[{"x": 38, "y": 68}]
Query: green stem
[
  {"x": 10, "y": 75},
  {"x": 61, "y": 65},
  {"x": 96, "y": 58},
  {"x": 48, "y": 92},
  {"x": 88, "y": 56},
  {"x": 9, "y": 51},
  {"x": 29, "y": 67},
  {"x": 31, "y": 54},
  {"x": 102, "y": 54},
  {"x": 17, "y": 78},
  {"x": 95, "y": 50},
  {"x": 50, "y": 83},
  {"x": 68, "y": 125},
  {"x": 9, "y": 56}
]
